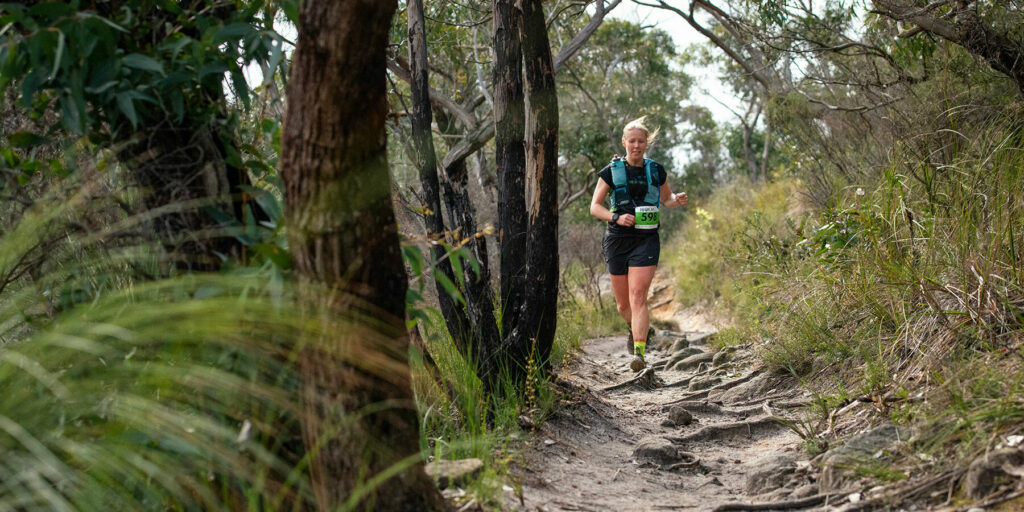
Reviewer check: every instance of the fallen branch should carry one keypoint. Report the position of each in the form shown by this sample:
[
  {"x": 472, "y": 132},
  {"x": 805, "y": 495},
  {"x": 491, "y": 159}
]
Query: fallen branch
[
  {"x": 734, "y": 429},
  {"x": 645, "y": 374}
]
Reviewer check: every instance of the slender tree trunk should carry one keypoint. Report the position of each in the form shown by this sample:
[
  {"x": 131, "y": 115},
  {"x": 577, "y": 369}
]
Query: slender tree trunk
[
  {"x": 538, "y": 318},
  {"x": 476, "y": 287},
  {"x": 766, "y": 151},
  {"x": 510, "y": 158},
  {"x": 359, "y": 417},
  {"x": 426, "y": 162}
]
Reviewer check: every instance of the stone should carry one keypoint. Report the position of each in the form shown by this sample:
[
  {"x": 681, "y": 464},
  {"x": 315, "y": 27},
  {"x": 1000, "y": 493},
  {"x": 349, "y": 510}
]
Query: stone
[
  {"x": 770, "y": 473},
  {"x": 454, "y": 473},
  {"x": 721, "y": 357},
  {"x": 679, "y": 416},
  {"x": 705, "y": 382},
  {"x": 656, "y": 450},
  {"x": 693, "y": 361},
  {"x": 679, "y": 344},
  {"x": 753, "y": 388},
  {"x": 637, "y": 364},
  {"x": 836, "y": 463},
  {"x": 804, "y": 491},
  {"x": 988, "y": 472}
]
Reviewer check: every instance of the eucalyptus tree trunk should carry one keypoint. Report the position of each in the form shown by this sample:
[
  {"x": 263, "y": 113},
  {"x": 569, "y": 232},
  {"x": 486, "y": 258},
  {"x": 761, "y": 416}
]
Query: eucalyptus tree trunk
[
  {"x": 426, "y": 162},
  {"x": 510, "y": 157},
  {"x": 526, "y": 127},
  {"x": 358, "y": 415},
  {"x": 537, "y": 321}
]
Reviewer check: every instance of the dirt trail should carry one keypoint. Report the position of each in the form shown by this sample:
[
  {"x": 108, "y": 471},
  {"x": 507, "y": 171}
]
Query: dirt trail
[{"x": 615, "y": 448}]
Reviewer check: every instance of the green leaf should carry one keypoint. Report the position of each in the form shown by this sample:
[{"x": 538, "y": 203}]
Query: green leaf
[
  {"x": 291, "y": 10},
  {"x": 275, "y": 61},
  {"x": 232, "y": 31},
  {"x": 109, "y": 23},
  {"x": 51, "y": 10},
  {"x": 58, "y": 55},
  {"x": 10, "y": 158},
  {"x": 101, "y": 88},
  {"x": 127, "y": 106},
  {"x": 449, "y": 287},
  {"x": 414, "y": 258},
  {"x": 456, "y": 259},
  {"x": 241, "y": 87},
  {"x": 212, "y": 68},
  {"x": 143, "y": 62},
  {"x": 25, "y": 139}
]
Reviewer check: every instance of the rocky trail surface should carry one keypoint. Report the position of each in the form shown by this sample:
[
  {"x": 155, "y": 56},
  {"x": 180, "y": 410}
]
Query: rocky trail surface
[
  {"x": 701, "y": 429},
  {"x": 696, "y": 430}
]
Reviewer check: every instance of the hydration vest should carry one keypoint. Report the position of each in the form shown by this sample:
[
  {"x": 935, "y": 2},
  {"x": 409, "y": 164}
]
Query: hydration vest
[{"x": 621, "y": 197}]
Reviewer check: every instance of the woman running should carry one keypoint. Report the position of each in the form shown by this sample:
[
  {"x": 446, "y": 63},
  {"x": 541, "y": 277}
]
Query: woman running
[{"x": 638, "y": 187}]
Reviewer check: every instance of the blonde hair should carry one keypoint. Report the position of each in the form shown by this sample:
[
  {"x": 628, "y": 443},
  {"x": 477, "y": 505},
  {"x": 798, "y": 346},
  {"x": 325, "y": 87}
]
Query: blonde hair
[{"x": 638, "y": 124}]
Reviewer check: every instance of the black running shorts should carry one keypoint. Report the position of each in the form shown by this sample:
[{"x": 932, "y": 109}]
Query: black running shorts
[{"x": 624, "y": 251}]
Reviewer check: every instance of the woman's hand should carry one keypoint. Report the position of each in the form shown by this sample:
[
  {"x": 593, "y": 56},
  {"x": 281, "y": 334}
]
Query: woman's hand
[
  {"x": 681, "y": 199},
  {"x": 626, "y": 220}
]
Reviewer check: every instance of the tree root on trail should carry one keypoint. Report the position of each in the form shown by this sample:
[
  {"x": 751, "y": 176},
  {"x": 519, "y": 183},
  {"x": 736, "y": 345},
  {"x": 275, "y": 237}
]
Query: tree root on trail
[
  {"x": 809, "y": 501},
  {"x": 686, "y": 381},
  {"x": 734, "y": 429},
  {"x": 788, "y": 404},
  {"x": 710, "y": 408},
  {"x": 721, "y": 387},
  {"x": 693, "y": 463},
  {"x": 645, "y": 379}
]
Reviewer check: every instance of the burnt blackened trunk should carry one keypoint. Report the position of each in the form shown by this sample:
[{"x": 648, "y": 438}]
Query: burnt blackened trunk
[
  {"x": 510, "y": 158},
  {"x": 344, "y": 239},
  {"x": 426, "y": 162},
  {"x": 476, "y": 287},
  {"x": 538, "y": 317}
]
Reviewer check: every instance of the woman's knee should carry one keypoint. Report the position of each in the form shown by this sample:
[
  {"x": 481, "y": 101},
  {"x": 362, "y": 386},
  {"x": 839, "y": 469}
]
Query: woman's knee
[{"x": 624, "y": 308}]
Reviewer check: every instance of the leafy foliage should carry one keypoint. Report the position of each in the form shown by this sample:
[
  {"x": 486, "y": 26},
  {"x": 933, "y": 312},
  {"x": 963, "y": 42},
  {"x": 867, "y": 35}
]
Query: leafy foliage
[{"x": 128, "y": 64}]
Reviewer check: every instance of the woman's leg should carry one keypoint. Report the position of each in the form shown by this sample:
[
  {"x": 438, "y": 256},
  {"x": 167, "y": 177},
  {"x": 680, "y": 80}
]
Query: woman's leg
[
  {"x": 620, "y": 285},
  {"x": 639, "y": 283}
]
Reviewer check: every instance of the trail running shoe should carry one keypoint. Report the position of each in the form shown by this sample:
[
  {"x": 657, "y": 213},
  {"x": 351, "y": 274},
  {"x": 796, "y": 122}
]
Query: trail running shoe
[{"x": 629, "y": 338}]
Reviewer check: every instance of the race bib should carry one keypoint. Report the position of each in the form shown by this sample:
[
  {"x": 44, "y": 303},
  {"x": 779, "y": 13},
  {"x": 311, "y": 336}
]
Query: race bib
[{"x": 646, "y": 217}]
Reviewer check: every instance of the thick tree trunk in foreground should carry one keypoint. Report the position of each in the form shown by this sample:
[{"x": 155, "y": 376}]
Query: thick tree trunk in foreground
[
  {"x": 359, "y": 417},
  {"x": 510, "y": 158},
  {"x": 426, "y": 162},
  {"x": 536, "y": 330}
]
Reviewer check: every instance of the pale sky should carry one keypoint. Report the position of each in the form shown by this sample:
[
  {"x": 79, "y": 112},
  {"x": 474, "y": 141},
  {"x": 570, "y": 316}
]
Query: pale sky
[{"x": 705, "y": 79}]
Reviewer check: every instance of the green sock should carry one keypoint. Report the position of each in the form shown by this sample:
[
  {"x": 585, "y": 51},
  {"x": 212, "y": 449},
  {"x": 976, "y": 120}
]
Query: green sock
[{"x": 639, "y": 346}]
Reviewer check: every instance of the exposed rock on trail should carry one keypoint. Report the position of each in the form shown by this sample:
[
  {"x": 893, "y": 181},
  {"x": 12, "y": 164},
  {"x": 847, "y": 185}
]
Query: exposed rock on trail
[
  {"x": 667, "y": 438},
  {"x": 704, "y": 430}
]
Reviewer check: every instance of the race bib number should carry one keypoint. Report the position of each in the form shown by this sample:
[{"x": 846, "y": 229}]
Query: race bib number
[{"x": 646, "y": 217}]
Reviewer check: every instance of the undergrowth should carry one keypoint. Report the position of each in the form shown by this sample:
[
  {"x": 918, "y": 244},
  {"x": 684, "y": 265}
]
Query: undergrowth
[
  {"x": 908, "y": 291},
  {"x": 460, "y": 420}
]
